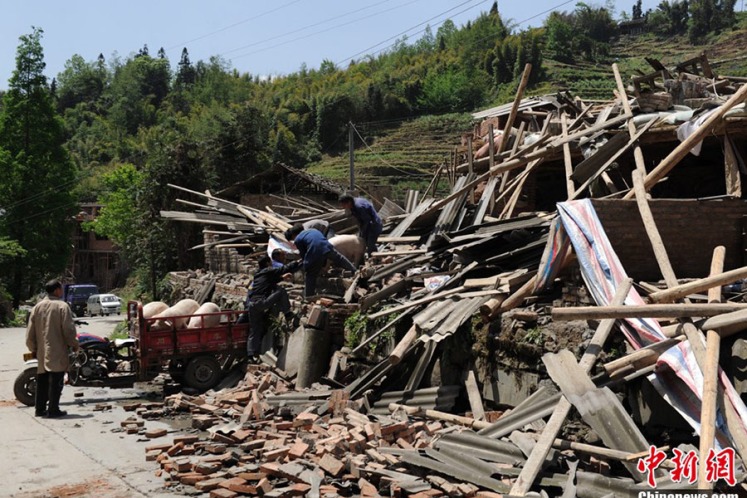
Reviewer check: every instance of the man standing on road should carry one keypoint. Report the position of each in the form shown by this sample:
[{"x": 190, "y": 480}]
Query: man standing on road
[
  {"x": 315, "y": 250},
  {"x": 50, "y": 331},
  {"x": 265, "y": 296},
  {"x": 369, "y": 222}
]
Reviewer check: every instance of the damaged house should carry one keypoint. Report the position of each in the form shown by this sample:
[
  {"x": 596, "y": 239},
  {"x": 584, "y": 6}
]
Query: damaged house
[{"x": 566, "y": 320}]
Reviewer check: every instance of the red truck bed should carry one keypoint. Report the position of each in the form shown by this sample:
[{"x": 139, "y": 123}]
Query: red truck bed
[{"x": 160, "y": 344}]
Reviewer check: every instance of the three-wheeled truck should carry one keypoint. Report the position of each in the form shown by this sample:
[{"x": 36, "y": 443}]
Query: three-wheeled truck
[{"x": 196, "y": 357}]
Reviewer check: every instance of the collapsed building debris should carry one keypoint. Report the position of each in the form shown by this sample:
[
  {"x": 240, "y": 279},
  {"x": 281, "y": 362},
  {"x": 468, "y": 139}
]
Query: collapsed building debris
[{"x": 463, "y": 307}]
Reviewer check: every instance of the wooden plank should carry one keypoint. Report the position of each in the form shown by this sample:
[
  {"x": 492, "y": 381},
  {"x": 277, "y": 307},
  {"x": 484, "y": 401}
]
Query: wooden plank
[
  {"x": 674, "y": 157},
  {"x": 645, "y": 311},
  {"x": 697, "y": 286},
  {"x": 402, "y": 252},
  {"x": 400, "y": 240},
  {"x": 727, "y": 324},
  {"x": 486, "y": 199},
  {"x": 603, "y": 156},
  {"x": 473, "y": 393},
  {"x": 640, "y": 358},
  {"x": 710, "y": 380},
  {"x": 371, "y": 299}
]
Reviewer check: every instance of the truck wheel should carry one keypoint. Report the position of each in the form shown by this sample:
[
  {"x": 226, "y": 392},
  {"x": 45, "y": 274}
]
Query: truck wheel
[
  {"x": 202, "y": 373},
  {"x": 24, "y": 387}
]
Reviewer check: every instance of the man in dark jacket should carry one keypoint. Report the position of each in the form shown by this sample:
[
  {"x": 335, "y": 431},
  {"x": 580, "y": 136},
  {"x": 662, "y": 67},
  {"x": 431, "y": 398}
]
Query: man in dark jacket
[
  {"x": 369, "y": 223},
  {"x": 315, "y": 251},
  {"x": 265, "y": 296},
  {"x": 49, "y": 334}
]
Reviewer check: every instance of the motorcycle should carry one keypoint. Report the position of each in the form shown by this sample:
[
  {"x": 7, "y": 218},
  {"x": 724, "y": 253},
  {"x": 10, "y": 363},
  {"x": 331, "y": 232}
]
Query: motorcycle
[{"x": 99, "y": 362}]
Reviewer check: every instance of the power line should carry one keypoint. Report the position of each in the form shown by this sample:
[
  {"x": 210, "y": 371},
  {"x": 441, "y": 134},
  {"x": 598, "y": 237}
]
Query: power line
[
  {"x": 551, "y": 9},
  {"x": 325, "y": 30},
  {"x": 411, "y": 28},
  {"x": 233, "y": 25},
  {"x": 305, "y": 27}
]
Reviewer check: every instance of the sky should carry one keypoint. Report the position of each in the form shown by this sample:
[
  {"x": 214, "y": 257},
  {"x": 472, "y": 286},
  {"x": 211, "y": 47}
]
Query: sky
[{"x": 257, "y": 37}]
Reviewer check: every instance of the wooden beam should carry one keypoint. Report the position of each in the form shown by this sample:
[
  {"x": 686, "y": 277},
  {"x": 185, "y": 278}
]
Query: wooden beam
[
  {"x": 645, "y": 311},
  {"x": 403, "y": 345},
  {"x": 640, "y": 164},
  {"x": 473, "y": 394},
  {"x": 660, "y": 252},
  {"x": 697, "y": 286},
  {"x": 567, "y": 161},
  {"x": 514, "y": 108},
  {"x": 416, "y": 411},
  {"x": 710, "y": 379},
  {"x": 674, "y": 157},
  {"x": 640, "y": 358}
]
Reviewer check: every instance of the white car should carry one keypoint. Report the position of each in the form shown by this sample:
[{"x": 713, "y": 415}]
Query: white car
[{"x": 104, "y": 304}]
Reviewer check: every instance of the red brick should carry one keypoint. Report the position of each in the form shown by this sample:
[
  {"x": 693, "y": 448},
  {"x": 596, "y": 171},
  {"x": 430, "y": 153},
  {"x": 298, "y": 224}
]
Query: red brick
[
  {"x": 191, "y": 478},
  {"x": 208, "y": 484},
  {"x": 222, "y": 493},
  {"x": 331, "y": 465}
]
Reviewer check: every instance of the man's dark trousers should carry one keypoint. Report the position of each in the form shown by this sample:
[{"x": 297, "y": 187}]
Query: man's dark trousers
[
  {"x": 49, "y": 389},
  {"x": 258, "y": 309}
]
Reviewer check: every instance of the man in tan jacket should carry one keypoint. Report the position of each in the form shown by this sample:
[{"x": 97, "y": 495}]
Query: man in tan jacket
[{"x": 50, "y": 331}]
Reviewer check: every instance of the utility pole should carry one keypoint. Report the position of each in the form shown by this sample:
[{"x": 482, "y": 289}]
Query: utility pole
[{"x": 351, "y": 153}]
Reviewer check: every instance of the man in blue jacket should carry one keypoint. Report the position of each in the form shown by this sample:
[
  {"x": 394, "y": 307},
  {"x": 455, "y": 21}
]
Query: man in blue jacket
[
  {"x": 369, "y": 223},
  {"x": 315, "y": 250}
]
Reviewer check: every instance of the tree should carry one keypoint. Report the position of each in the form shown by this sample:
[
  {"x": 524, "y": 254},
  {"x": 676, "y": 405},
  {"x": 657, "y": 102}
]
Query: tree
[
  {"x": 185, "y": 74},
  {"x": 38, "y": 176},
  {"x": 560, "y": 36},
  {"x": 637, "y": 10},
  {"x": 80, "y": 82},
  {"x": 701, "y": 13}
]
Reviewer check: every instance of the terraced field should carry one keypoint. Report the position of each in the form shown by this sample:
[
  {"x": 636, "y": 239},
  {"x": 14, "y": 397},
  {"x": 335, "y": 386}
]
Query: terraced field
[{"x": 394, "y": 157}]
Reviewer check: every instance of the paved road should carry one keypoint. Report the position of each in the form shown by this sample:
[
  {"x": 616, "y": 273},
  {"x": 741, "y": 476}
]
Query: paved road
[{"x": 76, "y": 456}]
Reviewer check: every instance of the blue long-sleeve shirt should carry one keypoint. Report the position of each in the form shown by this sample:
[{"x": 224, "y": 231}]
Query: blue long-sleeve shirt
[
  {"x": 364, "y": 212},
  {"x": 313, "y": 246}
]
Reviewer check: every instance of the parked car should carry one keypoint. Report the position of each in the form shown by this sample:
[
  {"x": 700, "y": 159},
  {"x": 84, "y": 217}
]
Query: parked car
[
  {"x": 104, "y": 304},
  {"x": 76, "y": 296}
]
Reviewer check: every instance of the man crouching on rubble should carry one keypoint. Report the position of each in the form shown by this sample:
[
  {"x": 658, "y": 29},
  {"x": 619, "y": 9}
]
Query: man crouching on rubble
[
  {"x": 265, "y": 296},
  {"x": 315, "y": 250}
]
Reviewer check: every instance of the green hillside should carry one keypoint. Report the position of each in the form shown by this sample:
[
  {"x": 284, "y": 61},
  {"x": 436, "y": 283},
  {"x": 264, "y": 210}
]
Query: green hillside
[
  {"x": 398, "y": 156},
  {"x": 398, "y": 152}
]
